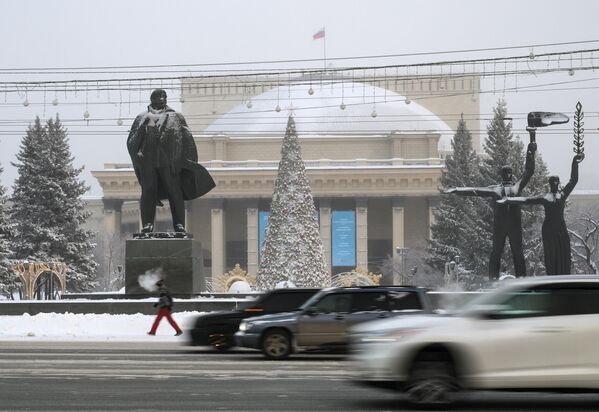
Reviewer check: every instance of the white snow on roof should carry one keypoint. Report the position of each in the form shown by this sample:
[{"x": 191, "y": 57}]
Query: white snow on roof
[{"x": 321, "y": 114}]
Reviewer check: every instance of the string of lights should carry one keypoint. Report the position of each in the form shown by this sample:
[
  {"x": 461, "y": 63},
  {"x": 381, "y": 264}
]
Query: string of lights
[{"x": 317, "y": 60}]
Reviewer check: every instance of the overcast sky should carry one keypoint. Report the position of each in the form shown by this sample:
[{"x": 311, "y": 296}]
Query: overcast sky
[{"x": 121, "y": 33}]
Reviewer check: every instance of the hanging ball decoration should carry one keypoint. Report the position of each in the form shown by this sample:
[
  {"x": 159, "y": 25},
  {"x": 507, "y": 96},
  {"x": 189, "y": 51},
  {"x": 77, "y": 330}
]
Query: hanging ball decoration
[
  {"x": 182, "y": 99},
  {"x": 342, "y": 106},
  {"x": 119, "y": 121},
  {"x": 531, "y": 56},
  {"x": 249, "y": 105},
  {"x": 373, "y": 114},
  {"x": 26, "y": 103},
  {"x": 408, "y": 101},
  {"x": 86, "y": 115},
  {"x": 310, "y": 91},
  {"x": 55, "y": 102},
  {"x": 571, "y": 72},
  {"x": 278, "y": 108}
]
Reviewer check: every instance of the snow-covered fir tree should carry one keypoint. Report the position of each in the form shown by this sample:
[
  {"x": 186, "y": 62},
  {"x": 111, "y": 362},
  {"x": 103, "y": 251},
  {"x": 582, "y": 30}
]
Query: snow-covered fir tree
[
  {"x": 292, "y": 250},
  {"x": 48, "y": 210},
  {"x": 9, "y": 280},
  {"x": 457, "y": 229}
]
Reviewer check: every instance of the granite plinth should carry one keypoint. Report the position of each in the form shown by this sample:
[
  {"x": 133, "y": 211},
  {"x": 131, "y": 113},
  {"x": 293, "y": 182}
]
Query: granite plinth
[{"x": 180, "y": 259}]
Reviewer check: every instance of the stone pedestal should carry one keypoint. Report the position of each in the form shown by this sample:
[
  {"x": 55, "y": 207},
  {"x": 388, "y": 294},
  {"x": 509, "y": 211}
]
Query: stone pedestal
[{"x": 180, "y": 259}]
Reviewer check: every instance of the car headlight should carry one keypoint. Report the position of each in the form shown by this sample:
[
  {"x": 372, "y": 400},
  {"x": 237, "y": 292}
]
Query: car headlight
[
  {"x": 392, "y": 335},
  {"x": 245, "y": 326}
]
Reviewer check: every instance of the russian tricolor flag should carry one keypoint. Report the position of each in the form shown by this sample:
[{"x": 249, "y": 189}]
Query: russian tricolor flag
[{"x": 319, "y": 34}]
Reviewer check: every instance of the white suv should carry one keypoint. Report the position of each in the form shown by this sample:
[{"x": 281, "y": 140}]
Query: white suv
[{"x": 538, "y": 333}]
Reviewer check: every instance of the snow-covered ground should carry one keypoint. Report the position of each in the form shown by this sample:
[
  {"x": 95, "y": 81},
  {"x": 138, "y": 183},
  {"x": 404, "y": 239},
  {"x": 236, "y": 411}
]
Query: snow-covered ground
[{"x": 91, "y": 327}]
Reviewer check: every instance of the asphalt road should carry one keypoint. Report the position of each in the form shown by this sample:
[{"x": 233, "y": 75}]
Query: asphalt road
[{"x": 69, "y": 376}]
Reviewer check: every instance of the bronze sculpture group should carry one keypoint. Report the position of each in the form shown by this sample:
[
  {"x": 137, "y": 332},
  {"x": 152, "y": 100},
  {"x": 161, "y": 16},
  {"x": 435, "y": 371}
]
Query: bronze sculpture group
[{"x": 507, "y": 201}]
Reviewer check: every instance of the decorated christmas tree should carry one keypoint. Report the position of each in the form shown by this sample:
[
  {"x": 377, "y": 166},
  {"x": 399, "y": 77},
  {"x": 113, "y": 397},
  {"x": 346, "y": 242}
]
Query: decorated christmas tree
[{"x": 292, "y": 251}]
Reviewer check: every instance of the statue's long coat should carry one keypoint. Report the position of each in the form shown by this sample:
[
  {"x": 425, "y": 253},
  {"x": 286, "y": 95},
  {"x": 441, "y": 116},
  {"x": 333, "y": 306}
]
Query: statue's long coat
[{"x": 164, "y": 140}]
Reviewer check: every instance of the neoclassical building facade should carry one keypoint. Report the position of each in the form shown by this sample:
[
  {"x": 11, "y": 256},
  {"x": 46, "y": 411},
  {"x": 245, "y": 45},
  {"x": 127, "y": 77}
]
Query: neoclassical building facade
[{"x": 374, "y": 152}]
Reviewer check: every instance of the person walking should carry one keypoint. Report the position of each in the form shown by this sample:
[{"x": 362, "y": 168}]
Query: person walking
[{"x": 165, "y": 306}]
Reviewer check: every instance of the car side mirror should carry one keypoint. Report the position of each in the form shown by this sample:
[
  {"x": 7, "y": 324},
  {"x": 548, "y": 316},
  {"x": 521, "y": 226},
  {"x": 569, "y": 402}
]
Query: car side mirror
[{"x": 311, "y": 311}]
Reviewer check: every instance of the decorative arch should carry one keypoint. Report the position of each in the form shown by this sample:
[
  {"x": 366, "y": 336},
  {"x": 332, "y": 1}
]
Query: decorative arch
[
  {"x": 357, "y": 277},
  {"x": 223, "y": 282},
  {"x": 29, "y": 273}
]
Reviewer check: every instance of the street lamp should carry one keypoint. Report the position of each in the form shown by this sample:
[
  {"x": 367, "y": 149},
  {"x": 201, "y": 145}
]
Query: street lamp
[{"x": 401, "y": 254}]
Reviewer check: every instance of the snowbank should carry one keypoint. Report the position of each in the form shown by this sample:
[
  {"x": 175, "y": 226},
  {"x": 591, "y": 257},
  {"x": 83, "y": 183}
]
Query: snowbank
[{"x": 91, "y": 327}]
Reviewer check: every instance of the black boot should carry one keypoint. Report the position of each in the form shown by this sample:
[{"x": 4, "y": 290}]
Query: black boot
[
  {"x": 179, "y": 228},
  {"x": 148, "y": 228}
]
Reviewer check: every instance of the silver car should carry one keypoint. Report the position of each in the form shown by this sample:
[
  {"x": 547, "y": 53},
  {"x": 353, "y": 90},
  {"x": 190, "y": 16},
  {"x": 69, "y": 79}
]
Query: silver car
[
  {"x": 535, "y": 333},
  {"x": 324, "y": 319}
]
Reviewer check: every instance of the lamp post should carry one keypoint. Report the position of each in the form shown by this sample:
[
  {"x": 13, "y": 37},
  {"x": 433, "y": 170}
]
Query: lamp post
[{"x": 401, "y": 266}]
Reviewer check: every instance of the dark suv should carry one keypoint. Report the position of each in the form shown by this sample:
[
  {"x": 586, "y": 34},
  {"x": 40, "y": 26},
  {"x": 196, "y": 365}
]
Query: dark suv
[
  {"x": 217, "y": 329},
  {"x": 324, "y": 319}
]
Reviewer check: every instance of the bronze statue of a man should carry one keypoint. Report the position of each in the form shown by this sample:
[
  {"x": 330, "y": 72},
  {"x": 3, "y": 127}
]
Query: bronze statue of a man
[
  {"x": 507, "y": 220},
  {"x": 164, "y": 157}
]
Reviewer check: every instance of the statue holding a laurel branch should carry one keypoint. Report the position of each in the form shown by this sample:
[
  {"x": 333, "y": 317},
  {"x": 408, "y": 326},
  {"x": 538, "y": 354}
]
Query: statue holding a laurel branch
[{"x": 556, "y": 240}]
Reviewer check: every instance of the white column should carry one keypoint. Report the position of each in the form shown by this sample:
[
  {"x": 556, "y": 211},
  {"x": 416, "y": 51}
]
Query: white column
[
  {"x": 113, "y": 217},
  {"x": 252, "y": 240},
  {"x": 399, "y": 244},
  {"x": 362, "y": 233},
  {"x": 217, "y": 215},
  {"x": 325, "y": 229},
  {"x": 398, "y": 224}
]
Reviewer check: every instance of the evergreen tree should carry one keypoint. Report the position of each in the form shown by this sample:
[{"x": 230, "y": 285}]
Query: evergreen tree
[
  {"x": 457, "y": 230},
  {"x": 9, "y": 280},
  {"x": 292, "y": 249},
  {"x": 48, "y": 210}
]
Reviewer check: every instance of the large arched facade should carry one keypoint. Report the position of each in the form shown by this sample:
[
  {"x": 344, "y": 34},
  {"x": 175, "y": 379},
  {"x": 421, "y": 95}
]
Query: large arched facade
[{"x": 374, "y": 162}]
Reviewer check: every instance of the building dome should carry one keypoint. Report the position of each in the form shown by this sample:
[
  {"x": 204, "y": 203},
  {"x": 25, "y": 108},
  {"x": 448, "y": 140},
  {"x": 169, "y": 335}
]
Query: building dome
[{"x": 317, "y": 109}]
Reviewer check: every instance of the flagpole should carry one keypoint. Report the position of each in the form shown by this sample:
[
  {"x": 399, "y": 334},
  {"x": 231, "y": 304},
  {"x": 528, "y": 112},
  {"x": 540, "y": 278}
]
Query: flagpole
[{"x": 324, "y": 44}]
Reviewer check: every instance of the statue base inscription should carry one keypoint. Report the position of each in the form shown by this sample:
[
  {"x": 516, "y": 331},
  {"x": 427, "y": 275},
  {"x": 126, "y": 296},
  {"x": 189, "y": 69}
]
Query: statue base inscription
[{"x": 179, "y": 259}]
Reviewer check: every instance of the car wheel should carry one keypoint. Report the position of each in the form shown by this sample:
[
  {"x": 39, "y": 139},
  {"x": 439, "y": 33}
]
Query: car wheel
[
  {"x": 276, "y": 344},
  {"x": 219, "y": 342},
  {"x": 431, "y": 384}
]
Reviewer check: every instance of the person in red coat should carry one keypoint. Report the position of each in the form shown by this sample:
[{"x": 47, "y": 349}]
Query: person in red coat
[{"x": 165, "y": 306}]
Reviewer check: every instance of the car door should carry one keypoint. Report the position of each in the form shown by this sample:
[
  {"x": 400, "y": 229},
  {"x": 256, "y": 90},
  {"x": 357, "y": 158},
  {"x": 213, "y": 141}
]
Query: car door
[
  {"x": 524, "y": 343},
  {"x": 324, "y": 322},
  {"x": 580, "y": 304}
]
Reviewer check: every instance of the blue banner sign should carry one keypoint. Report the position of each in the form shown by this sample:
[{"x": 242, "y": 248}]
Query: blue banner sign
[
  {"x": 343, "y": 228},
  {"x": 262, "y": 223}
]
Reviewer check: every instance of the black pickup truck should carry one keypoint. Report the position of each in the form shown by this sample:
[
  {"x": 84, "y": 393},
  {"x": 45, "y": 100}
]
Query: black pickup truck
[{"x": 217, "y": 329}]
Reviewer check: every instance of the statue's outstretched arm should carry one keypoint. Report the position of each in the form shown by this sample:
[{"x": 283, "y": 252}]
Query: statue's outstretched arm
[
  {"x": 532, "y": 200},
  {"x": 529, "y": 166},
  {"x": 573, "y": 176},
  {"x": 488, "y": 191}
]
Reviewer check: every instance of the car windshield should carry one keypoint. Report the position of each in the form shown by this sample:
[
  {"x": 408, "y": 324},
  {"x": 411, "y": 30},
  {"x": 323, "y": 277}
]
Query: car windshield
[
  {"x": 313, "y": 299},
  {"x": 494, "y": 297}
]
